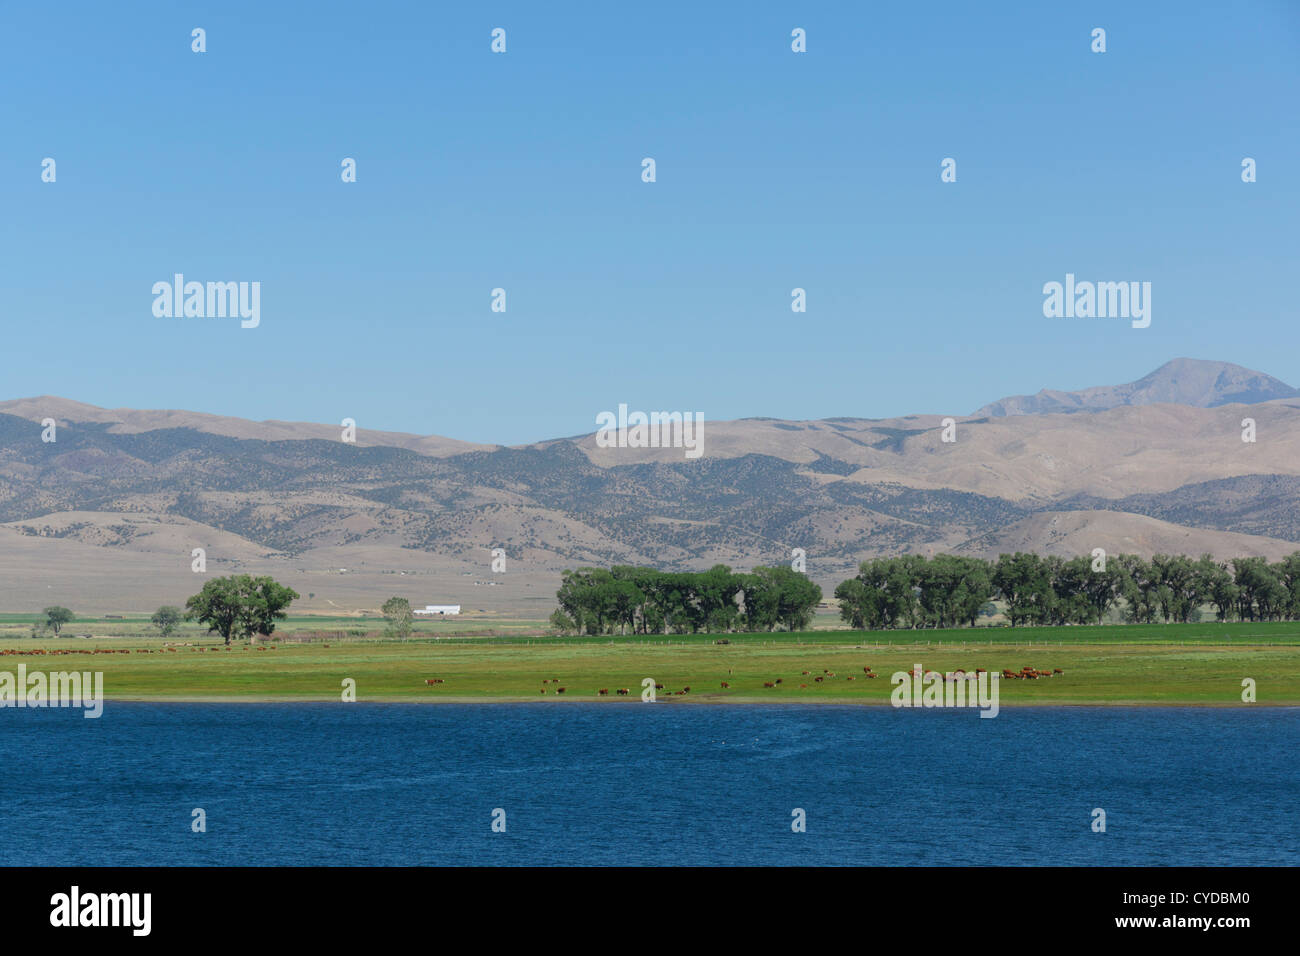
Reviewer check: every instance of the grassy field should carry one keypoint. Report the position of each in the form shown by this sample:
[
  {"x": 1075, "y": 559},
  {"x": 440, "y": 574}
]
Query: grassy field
[{"x": 1197, "y": 664}]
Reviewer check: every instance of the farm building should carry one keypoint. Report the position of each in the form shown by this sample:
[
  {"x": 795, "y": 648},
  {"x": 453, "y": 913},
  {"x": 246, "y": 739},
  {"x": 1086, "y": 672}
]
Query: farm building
[{"x": 440, "y": 609}]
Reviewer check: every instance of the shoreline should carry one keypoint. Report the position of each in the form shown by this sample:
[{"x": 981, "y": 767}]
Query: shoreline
[{"x": 697, "y": 701}]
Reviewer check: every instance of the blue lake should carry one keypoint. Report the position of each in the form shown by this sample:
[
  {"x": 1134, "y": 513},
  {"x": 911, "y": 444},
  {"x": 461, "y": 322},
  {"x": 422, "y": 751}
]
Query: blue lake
[{"x": 632, "y": 784}]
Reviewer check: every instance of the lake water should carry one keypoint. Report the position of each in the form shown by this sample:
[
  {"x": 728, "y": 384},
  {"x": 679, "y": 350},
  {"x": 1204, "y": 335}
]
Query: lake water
[{"x": 632, "y": 783}]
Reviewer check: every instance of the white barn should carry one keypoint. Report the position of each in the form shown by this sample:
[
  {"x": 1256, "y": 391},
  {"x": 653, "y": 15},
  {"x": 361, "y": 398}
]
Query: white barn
[{"x": 440, "y": 609}]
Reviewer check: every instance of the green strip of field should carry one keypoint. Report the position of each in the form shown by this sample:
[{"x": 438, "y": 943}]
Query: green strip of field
[{"x": 1185, "y": 669}]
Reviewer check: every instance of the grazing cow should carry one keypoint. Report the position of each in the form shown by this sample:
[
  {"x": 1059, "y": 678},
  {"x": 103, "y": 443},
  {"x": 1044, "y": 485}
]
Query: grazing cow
[
  {"x": 805, "y": 673},
  {"x": 1057, "y": 670},
  {"x": 661, "y": 686},
  {"x": 768, "y": 683},
  {"x": 429, "y": 682},
  {"x": 779, "y": 680},
  {"x": 850, "y": 677},
  {"x": 980, "y": 670},
  {"x": 871, "y": 675},
  {"x": 686, "y": 690},
  {"x": 866, "y": 670},
  {"x": 803, "y": 685},
  {"x": 819, "y": 679},
  {"x": 603, "y": 692},
  {"x": 560, "y": 690},
  {"x": 725, "y": 685},
  {"x": 622, "y": 692}
]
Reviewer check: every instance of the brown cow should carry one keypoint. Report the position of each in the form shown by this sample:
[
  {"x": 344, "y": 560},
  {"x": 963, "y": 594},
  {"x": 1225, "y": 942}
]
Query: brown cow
[
  {"x": 768, "y": 683},
  {"x": 725, "y": 685},
  {"x": 603, "y": 692}
]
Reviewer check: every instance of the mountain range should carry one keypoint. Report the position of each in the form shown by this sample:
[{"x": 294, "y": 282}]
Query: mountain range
[{"x": 106, "y": 517}]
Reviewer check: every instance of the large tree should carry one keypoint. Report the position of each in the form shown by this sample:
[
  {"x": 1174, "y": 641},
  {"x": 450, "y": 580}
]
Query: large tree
[
  {"x": 56, "y": 617},
  {"x": 397, "y": 611},
  {"x": 167, "y": 618},
  {"x": 240, "y": 605}
]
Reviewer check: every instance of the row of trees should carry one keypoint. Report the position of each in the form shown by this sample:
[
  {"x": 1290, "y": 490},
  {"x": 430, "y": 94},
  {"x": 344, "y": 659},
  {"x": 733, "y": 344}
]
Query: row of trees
[
  {"x": 948, "y": 591},
  {"x": 645, "y": 601},
  {"x": 235, "y": 606}
]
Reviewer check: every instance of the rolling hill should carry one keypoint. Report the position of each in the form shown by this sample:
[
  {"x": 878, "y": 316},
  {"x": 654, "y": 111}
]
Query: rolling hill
[{"x": 107, "y": 517}]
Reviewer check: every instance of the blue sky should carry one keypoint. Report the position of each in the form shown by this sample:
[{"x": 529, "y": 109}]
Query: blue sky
[{"x": 523, "y": 171}]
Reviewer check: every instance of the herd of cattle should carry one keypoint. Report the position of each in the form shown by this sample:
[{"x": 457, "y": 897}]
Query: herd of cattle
[
  {"x": 1025, "y": 673},
  {"x": 65, "y": 651}
]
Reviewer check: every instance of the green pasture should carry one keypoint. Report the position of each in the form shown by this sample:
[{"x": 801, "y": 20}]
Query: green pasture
[{"x": 1195, "y": 664}]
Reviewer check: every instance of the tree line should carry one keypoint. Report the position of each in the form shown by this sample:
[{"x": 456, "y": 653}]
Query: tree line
[
  {"x": 912, "y": 591},
  {"x": 627, "y": 599},
  {"x": 236, "y": 606}
]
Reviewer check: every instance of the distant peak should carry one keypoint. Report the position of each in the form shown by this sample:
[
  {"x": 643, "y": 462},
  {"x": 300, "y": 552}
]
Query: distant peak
[{"x": 1200, "y": 383}]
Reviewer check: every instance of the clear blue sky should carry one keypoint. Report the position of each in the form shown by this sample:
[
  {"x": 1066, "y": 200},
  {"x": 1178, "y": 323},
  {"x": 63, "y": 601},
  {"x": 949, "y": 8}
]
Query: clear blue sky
[{"x": 775, "y": 170}]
